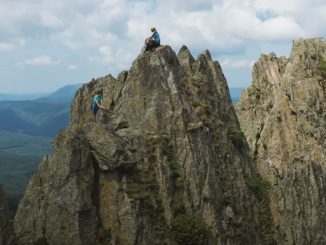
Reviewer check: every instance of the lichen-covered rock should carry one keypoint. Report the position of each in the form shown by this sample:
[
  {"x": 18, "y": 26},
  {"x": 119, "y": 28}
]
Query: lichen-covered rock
[
  {"x": 166, "y": 151},
  {"x": 283, "y": 115},
  {"x": 6, "y": 224}
]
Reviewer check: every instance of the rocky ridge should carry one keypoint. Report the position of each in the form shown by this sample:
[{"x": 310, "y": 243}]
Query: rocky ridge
[
  {"x": 167, "y": 164},
  {"x": 283, "y": 115}
]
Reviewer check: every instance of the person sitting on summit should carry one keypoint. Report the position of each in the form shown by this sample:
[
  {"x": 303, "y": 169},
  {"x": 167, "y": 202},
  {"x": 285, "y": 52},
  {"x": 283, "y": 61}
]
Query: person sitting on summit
[{"x": 153, "y": 41}]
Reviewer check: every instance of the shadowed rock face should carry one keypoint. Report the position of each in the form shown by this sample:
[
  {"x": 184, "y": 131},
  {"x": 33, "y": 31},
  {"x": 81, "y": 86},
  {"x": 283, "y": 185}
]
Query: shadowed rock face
[
  {"x": 166, "y": 149},
  {"x": 283, "y": 115},
  {"x": 6, "y": 226}
]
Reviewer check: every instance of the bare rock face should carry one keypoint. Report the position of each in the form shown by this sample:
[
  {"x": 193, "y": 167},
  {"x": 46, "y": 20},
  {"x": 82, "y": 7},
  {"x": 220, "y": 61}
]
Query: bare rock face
[
  {"x": 283, "y": 115},
  {"x": 6, "y": 224},
  {"x": 165, "y": 163}
]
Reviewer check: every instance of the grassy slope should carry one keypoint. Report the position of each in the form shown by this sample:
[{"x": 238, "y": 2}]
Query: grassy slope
[
  {"x": 17, "y": 143},
  {"x": 26, "y": 131},
  {"x": 20, "y": 156},
  {"x": 15, "y": 172}
]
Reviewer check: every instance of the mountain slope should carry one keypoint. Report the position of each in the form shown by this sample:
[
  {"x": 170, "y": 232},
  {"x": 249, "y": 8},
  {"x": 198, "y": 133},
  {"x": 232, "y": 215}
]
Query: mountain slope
[
  {"x": 19, "y": 158},
  {"x": 24, "y": 144},
  {"x": 64, "y": 94}
]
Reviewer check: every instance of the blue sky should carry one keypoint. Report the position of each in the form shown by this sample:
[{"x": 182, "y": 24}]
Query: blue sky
[{"x": 47, "y": 44}]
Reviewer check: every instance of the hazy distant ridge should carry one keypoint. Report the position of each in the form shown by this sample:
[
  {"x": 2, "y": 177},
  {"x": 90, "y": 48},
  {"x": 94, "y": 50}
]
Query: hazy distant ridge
[{"x": 44, "y": 116}]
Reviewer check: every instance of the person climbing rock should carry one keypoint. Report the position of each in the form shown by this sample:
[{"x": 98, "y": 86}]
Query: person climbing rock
[
  {"x": 153, "y": 41},
  {"x": 97, "y": 103}
]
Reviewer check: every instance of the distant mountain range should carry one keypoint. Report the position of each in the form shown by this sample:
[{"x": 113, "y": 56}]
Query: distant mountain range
[
  {"x": 18, "y": 97},
  {"x": 44, "y": 116},
  {"x": 64, "y": 94}
]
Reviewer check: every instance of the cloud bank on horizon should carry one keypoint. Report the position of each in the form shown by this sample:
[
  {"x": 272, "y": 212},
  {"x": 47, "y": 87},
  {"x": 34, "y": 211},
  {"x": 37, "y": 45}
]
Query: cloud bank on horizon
[{"x": 46, "y": 44}]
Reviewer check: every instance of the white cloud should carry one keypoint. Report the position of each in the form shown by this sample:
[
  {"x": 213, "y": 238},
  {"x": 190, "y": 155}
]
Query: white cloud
[
  {"x": 6, "y": 46},
  {"x": 210, "y": 24},
  {"x": 72, "y": 67},
  {"x": 112, "y": 32},
  {"x": 231, "y": 63},
  {"x": 50, "y": 20},
  {"x": 281, "y": 7},
  {"x": 42, "y": 60},
  {"x": 209, "y": 20},
  {"x": 106, "y": 53},
  {"x": 281, "y": 28},
  {"x": 10, "y": 46},
  {"x": 37, "y": 61},
  {"x": 116, "y": 59}
]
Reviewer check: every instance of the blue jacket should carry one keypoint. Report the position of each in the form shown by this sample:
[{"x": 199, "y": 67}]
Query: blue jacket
[{"x": 156, "y": 38}]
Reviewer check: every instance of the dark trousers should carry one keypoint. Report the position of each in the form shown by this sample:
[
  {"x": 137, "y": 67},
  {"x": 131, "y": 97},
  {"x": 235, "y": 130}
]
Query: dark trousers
[{"x": 150, "y": 46}]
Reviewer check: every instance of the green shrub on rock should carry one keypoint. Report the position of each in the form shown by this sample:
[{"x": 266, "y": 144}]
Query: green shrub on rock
[
  {"x": 188, "y": 230},
  {"x": 259, "y": 186},
  {"x": 322, "y": 67},
  {"x": 237, "y": 137}
]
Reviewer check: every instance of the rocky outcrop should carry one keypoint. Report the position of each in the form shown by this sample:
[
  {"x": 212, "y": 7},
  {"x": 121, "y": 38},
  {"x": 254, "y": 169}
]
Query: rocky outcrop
[
  {"x": 164, "y": 163},
  {"x": 6, "y": 225},
  {"x": 283, "y": 115}
]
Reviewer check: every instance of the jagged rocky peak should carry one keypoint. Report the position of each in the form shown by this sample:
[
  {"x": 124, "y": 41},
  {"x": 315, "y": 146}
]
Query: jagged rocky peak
[
  {"x": 185, "y": 58},
  {"x": 283, "y": 117},
  {"x": 161, "y": 72},
  {"x": 164, "y": 163},
  {"x": 307, "y": 50},
  {"x": 273, "y": 68},
  {"x": 6, "y": 226}
]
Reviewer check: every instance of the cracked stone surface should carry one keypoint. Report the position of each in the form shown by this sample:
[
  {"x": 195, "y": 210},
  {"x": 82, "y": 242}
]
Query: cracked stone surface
[{"x": 283, "y": 116}]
